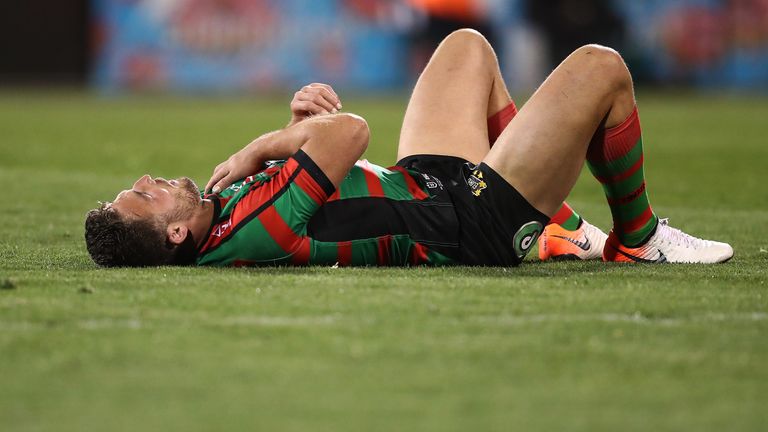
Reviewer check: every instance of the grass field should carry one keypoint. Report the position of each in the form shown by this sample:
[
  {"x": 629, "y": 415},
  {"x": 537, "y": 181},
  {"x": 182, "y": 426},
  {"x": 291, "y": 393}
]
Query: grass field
[{"x": 545, "y": 346}]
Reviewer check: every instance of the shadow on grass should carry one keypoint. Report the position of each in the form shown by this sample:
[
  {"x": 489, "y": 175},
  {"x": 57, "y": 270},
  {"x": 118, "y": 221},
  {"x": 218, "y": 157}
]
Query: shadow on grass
[{"x": 73, "y": 263}]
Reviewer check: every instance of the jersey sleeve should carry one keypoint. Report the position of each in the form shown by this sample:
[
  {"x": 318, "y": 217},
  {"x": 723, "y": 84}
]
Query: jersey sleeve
[
  {"x": 297, "y": 190},
  {"x": 267, "y": 223},
  {"x": 313, "y": 182}
]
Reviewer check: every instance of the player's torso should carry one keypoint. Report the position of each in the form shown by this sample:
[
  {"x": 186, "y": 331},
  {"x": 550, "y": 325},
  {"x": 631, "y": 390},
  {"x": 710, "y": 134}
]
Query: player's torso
[{"x": 377, "y": 216}]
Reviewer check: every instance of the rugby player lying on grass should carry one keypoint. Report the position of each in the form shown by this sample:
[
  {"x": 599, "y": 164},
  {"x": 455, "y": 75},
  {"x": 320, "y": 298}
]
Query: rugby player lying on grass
[{"x": 475, "y": 183}]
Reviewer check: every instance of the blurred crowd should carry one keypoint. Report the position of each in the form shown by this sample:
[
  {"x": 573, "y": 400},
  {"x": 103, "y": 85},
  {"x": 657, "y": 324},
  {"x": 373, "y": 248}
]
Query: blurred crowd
[{"x": 231, "y": 45}]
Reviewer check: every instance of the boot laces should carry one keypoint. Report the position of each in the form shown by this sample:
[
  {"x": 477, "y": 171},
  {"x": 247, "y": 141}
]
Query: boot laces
[{"x": 677, "y": 237}]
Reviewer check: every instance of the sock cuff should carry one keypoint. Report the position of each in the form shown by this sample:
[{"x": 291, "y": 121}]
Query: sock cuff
[
  {"x": 563, "y": 213},
  {"x": 500, "y": 120},
  {"x": 612, "y": 143}
]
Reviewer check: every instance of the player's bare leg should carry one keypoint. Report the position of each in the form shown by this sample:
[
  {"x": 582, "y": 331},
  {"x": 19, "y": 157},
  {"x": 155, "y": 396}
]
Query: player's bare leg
[
  {"x": 542, "y": 151},
  {"x": 588, "y": 103},
  {"x": 460, "y": 102},
  {"x": 458, "y": 90}
]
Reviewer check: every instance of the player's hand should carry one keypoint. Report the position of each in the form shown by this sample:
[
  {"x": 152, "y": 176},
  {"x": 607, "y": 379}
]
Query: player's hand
[
  {"x": 241, "y": 164},
  {"x": 314, "y": 99}
]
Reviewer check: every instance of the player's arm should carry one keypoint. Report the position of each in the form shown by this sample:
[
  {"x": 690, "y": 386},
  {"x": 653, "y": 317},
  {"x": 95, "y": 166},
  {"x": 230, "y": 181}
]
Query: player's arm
[
  {"x": 311, "y": 100},
  {"x": 333, "y": 142}
]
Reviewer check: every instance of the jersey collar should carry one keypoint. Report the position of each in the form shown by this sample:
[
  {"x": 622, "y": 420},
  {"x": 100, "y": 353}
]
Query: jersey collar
[{"x": 216, "y": 200}]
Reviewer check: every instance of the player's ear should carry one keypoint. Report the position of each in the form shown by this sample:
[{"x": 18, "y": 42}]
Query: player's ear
[{"x": 177, "y": 233}]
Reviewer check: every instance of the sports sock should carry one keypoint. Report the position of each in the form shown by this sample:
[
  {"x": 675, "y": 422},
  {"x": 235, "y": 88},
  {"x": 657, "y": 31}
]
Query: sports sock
[
  {"x": 500, "y": 120},
  {"x": 566, "y": 218},
  {"x": 615, "y": 157}
]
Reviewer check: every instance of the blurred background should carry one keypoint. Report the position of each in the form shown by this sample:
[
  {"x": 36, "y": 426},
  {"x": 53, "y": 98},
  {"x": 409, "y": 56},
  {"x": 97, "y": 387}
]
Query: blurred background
[{"x": 232, "y": 46}]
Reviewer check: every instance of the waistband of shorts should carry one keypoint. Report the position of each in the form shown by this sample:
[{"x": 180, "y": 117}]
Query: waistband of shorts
[{"x": 433, "y": 157}]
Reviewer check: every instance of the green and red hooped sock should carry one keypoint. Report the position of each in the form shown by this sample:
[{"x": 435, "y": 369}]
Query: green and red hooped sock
[
  {"x": 565, "y": 216},
  {"x": 615, "y": 157}
]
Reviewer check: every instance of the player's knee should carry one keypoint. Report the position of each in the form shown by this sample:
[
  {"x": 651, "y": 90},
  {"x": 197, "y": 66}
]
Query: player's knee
[
  {"x": 466, "y": 34},
  {"x": 605, "y": 63},
  {"x": 469, "y": 42}
]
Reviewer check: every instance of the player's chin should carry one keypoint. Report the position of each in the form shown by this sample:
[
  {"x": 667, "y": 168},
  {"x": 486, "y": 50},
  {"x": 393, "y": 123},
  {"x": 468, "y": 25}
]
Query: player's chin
[{"x": 189, "y": 186}]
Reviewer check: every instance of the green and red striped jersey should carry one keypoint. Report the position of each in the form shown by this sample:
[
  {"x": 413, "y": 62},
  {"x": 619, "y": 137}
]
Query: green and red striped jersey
[{"x": 291, "y": 214}]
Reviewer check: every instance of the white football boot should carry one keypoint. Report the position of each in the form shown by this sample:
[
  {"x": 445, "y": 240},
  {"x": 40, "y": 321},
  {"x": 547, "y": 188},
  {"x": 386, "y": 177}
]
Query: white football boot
[{"x": 668, "y": 244}]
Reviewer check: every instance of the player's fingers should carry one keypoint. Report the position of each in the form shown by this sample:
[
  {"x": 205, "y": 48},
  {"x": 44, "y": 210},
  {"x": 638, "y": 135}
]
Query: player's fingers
[
  {"x": 218, "y": 174},
  {"x": 308, "y": 105},
  {"x": 325, "y": 94},
  {"x": 332, "y": 98},
  {"x": 223, "y": 183},
  {"x": 209, "y": 184},
  {"x": 318, "y": 98},
  {"x": 329, "y": 88},
  {"x": 219, "y": 167}
]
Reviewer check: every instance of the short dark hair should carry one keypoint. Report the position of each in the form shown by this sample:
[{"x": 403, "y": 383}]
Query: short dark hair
[{"x": 114, "y": 241}]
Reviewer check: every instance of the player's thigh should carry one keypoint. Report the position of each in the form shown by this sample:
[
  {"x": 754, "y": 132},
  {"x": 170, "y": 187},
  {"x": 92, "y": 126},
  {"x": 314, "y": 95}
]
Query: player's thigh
[
  {"x": 542, "y": 150},
  {"x": 448, "y": 110}
]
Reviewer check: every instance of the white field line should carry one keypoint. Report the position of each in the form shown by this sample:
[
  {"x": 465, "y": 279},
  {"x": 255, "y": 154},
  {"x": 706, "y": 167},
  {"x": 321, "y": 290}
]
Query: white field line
[
  {"x": 635, "y": 318},
  {"x": 136, "y": 323},
  {"x": 287, "y": 321},
  {"x": 276, "y": 321}
]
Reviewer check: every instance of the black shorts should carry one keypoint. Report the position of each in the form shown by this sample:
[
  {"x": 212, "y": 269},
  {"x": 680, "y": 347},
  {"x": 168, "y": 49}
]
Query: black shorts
[{"x": 497, "y": 225}]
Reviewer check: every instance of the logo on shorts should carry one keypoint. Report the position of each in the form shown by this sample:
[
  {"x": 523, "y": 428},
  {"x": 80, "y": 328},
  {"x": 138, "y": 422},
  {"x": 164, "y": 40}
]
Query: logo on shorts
[
  {"x": 432, "y": 182},
  {"x": 525, "y": 237},
  {"x": 476, "y": 183}
]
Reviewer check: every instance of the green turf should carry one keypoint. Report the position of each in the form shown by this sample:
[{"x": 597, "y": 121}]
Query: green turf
[{"x": 546, "y": 346}]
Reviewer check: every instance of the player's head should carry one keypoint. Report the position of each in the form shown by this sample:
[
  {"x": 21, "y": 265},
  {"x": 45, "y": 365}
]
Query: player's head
[{"x": 146, "y": 225}]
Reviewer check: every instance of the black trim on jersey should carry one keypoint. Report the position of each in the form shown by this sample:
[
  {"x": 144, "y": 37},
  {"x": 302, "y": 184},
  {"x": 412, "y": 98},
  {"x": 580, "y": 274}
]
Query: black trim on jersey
[
  {"x": 317, "y": 174},
  {"x": 354, "y": 219},
  {"x": 258, "y": 211},
  {"x": 429, "y": 222},
  {"x": 216, "y": 213}
]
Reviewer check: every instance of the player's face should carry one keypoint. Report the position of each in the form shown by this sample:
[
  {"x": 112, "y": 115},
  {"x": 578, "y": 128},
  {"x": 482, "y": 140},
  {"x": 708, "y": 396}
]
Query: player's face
[{"x": 168, "y": 200}]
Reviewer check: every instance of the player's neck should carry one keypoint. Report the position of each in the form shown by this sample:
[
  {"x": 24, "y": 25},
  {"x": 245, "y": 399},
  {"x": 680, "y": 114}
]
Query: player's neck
[{"x": 201, "y": 221}]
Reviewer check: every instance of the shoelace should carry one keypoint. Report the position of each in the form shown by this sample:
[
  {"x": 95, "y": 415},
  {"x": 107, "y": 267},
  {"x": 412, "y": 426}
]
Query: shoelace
[{"x": 677, "y": 237}]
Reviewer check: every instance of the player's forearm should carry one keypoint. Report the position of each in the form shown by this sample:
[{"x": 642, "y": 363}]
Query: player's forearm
[
  {"x": 280, "y": 144},
  {"x": 333, "y": 142},
  {"x": 283, "y": 143}
]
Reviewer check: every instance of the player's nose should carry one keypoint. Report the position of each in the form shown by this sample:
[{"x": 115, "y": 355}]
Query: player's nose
[{"x": 145, "y": 179}]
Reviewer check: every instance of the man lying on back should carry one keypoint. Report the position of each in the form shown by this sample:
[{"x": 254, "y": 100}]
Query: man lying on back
[{"x": 476, "y": 183}]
